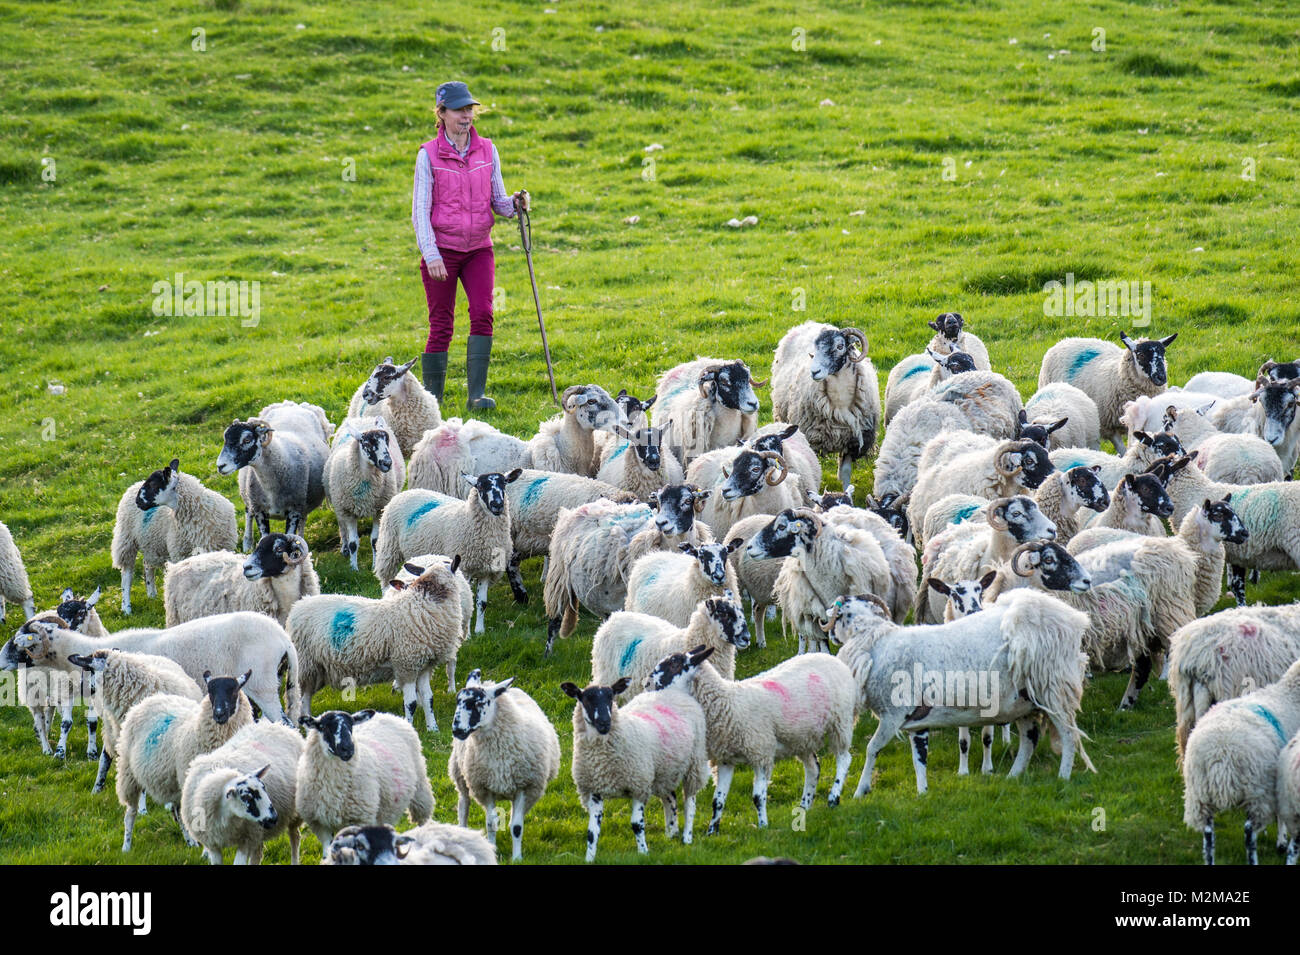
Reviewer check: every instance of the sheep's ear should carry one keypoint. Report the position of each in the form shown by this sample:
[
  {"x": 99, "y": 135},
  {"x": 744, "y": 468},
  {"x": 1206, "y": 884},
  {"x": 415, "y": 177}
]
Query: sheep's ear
[
  {"x": 264, "y": 435},
  {"x": 1096, "y": 469},
  {"x": 1058, "y": 426},
  {"x": 175, "y": 464},
  {"x": 308, "y": 722},
  {"x": 734, "y": 544},
  {"x": 263, "y": 771},
  {"x": 1168, "y": 341},
  {"x": 1227, "y": 497},
  {"x": 789, "y": 432},
  {"x": 934, "y": 583},
  {"x": 403, "y": 369},
  {"x": 1128, "y": 342},
  {"x": 388, "y": 360},
  {"x": 207, "y": 675},
  {"x": 700, "y": 654},
  {"x": 935, "y": 326},
  {"x": 1023, "y": 417},
  {"x": 66, "y": 595},
  {"x": 475, "y": 678},
  {"x": 620, "y": 685},
  {"x": 502, "y": 687},
  {"x": 987, "y": 579},
  {"x": 455, "y": 564},
  {"x": 413, "y": 569},
  {"x": 248, "y": 675},
  {"x": 686, "y": 548},
  {"x": 571, "y": 689},
  {"x": 361, "y": 716},
  {"x": 1144, "y": 437},
  {"x": 93, "y": 598},
  {"x": 645, "y": 405},
  {"x": 397, "y": 584},
  {"x": 469, "y": 479},
  {"x": 514, "y": 475}
]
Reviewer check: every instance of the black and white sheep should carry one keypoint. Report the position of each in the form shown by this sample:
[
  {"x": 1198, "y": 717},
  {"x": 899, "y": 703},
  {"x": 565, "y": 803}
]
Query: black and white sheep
[
  {"x": 364, "y": 471},
  {"x": 908, "y": 379},
  {"x": 950, "y": 335},
  {"x": 1069, "y": 413},
  {"x": 743, "y": 481},
  {"x": 270, "y": 580},
  {"x": 711, "y": 404},
  {"x": 394, "y": 394},
  {"x": 642, "y": 463},
  {"x": 433, "y": 843},
  {"x": 671, "y": 585}
]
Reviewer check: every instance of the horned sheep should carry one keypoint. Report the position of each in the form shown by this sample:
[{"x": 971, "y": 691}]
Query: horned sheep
[
  {"x": 711, "y": 403},
  {"x": 270, "y": 580}
]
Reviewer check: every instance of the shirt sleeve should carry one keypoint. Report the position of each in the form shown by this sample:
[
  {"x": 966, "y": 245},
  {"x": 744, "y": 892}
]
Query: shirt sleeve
[
  {"x": 502, "y": 204},
  {"x": 421, "y": 202}
]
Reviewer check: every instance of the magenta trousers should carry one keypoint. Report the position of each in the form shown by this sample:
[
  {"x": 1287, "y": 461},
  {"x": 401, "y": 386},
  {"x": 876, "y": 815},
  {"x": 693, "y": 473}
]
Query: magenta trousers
[{"x": 476, "y": 271}]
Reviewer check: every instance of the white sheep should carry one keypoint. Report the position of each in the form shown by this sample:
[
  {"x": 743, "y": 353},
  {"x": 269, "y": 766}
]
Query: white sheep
[
  {"x": 642, "y": 463},
  {"x": 1108, "y": 374},
  {"x": 394, "y": 394},
  {"x": 950, "y": 335},
  {"x": 270, "y": 580},
  {"x": 504, "y": 748},
  {"x": 799, "y": 708},
  {"x": 1231, "y": 759},
  {"x": 1057, "y": 401},
  {"x": 671, "y": 585},
  {"x": 1147, "y": 412},
  {"x": 900, "y": 591},
  {"x": 743, "y": 481},
  {"x": 634, "y": 411},
  {"x": 908, "y": 379},
  {"x": 630, "y": 644},
  {"x": 1143, "y": 451},
  {"x": 402, "y": 636},
  {"x": 711, "y": 403},
  {"x": 415, "y": 567},
  {"x": 1288, "y": 797},
  {"x": 650, "y": 747},
  {"x": 829, "y": 388},
  {"x": 1273, "y": 418},
  {"x": 242, "y": 793},
  {"x": 360, "y": 769},
  {"x": 364, "y": 471},
  {"x": 1234, "y": 458},
  {"x": 14, "y": 584},
  {"x": 434, "y": 843},
  {"x": 163, "y": 733},
  {"x": 168, "y": 516},
  {"x": 1222, "y": 384},
  {"x": 47, "y": 686}
]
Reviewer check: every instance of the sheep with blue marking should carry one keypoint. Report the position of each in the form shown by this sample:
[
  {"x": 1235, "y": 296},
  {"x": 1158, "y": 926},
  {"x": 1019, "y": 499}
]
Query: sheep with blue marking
[
  {"x": 14, "y": 584},
  {"x": 636, "y": 415},
  {"x": 1143, "y": 451},
  {"x": 364, "y": 471},
  {"x": 908, "y": 379},
  {"x": 711, "y": 402},
  {"x": 950, "y": 335},
  {"x": 642, "y": 463},
  {"x": 270, "y": 580},
  {"x": 1070, "y": 413},
  {"x": 394, "y": 394},
  {"x": 671, "y": 585},
  {"x": 1108, "y": 374}
]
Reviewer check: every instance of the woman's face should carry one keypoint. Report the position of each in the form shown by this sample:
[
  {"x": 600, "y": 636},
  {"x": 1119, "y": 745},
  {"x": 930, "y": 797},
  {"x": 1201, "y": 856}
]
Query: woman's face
[{"x": 458, "y": 120}]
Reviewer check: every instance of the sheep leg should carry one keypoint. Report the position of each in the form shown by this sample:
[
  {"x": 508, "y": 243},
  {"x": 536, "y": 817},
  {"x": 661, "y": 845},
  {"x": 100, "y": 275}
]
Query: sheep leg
[
  {"x": 670, "y": 814},
  {"x": 1207, "y": 841},
  {"x": 1028, "y": 729},
  {"x": 248, "y": 529},
  {"x": 638, "y": 825},
  {"x": 595, "y": 812},
  {"x": 128, "y": 817},
  {"x": 293, "y": 523},
  {"x": 143, "y": 805},
  {"x": 481, "y": 604},
  {"x": 324, "y": 835},
  {"x": 760, "y": 616},
  {"x": 516, "y": 578},
  {"x": 462, "y": 809},
  {"x": 374, "y": 540},
  {"x": 127, "y": 576},
  {"x": 1068, "y": 737},
  {"x": 1237, "y": 583},
  {"x": 688, "y": 826},
  {"x": 175, "y": 809},
  {"x": 842, "y": 762},
  {"x": 885, "y": 731},
  {"x": 102, "y": 775},
  {"x": 963, "y": 750},
  {"x": 803, "y": 644},
  {"x": 986, "y": 760},
  {"x": 1252, "y": 849},
  {"x": 349, "y": 538},
  {"x": 920, "y": 755},
  {"x": 812, "y": 770},
  {"x": 552, "y": 631},
  {"x": 254, "y": 855},
  {"x": 845, "y": 470},
  {"x": 1281, "y": 837},
  {"x": 214, "y": 857},
  {"x": 517, "y": 811},
  {"x": 65, "y": 727},
  {"x": 721, "y": 786},
  {"x": 150, "y": 584},
  {"x": 762, "y": 779},
  {"x": 42, "y": 732},
  {"x": 295, "y": 838},
  {"x": 1006, "y": 733},
  {"x": 1293, "y": 850},
  {"x": 409, "y": 700},
  {"x": 268, "y": 703},
  {"x": 490, "y": 819},
  {"x": 1137, "y": 679},
  {"x": 92, "y": 730}
]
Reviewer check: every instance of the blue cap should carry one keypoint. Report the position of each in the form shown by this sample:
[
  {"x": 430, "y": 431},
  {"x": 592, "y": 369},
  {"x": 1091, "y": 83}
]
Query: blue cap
[{"x": 455, "y": 95}]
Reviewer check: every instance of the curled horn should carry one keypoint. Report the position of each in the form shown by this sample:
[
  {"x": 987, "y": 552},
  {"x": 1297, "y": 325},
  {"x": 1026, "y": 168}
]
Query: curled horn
[
  {"x": 852, "y": 333},
  {"x": 709, "y": 374},
  {"x": 759, "y": 382},
  {"x": 1021, "y": 551},
  {"x": 569, "y": 392},
  {"x": 700, "y": 496},
  {"x": 996, "y": 519},
  {"x": 778, "y": 468},
  {"x": 829, "y": 625},
  {"x": 1002, "y": 468}
]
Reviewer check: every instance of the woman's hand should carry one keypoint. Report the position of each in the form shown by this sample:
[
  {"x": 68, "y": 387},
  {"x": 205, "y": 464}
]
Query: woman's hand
[
  {"x": 437, "y": 271},
  {"x": 522, "y": 198}
]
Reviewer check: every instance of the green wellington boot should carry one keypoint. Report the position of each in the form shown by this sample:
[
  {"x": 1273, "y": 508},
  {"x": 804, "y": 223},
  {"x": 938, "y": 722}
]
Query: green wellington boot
[
  {"x": 433, "y": 369},
  {"x": 478, "y": 354}
]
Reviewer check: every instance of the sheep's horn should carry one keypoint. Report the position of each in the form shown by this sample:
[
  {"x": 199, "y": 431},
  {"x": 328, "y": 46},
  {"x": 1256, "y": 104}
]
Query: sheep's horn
[
  {"x": 829, "y": 625},
  {"x": 709, "y": 374},
  {"x": 1002, "y": 468},
  {"x": 852, "y": 333},
  {"x": 778, "y": 468},
  {"x": 996, "y": 520},
  {"x": 1015, "y": 559},
  {"x": 569, "y": 392},
  {"x": 759, "y": 382}
]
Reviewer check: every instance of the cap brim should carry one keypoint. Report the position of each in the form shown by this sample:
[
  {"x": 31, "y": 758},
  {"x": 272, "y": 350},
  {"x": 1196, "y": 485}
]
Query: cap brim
[{"x": 462, "y": 104}]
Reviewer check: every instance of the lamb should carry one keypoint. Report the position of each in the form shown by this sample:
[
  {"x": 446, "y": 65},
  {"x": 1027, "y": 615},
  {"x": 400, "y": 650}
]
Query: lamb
[
  {"x": 168, "y": 516},
  {"x": 402, "y": 636},
  {"x": 1139, "y": 504},
  {"x": 280, "y": 456},
  {"x": 670, "y": 586},
  {"x": 829, "y": 389},
  {"x": 1226, "y": 654},
  {"x": 397, "y": 396},
  {"x": 504, "y": 748},
  {"x": 477, "y": 528},
  {"x": 1027, "y": 643},
  {"x": 270, "y": 580},
  {"x": 121, "y": 681},
  {"x": 163, "y": 733},
  {"x": 1143, "y": 451},
  {"x": 973, "y": 464},
  {"x": 799, "y": 708},
  {"x": 648, "y": 747},
  {"x": 908, "y": 381},
  {"x": 950, "y": 335},
  {"x": 650, "y": 465},
  {"x": 364, "y": 471},
  {"x": 712, "y": 403},
  {"x": 14, "y": 584},
  {"x": 242, "y": 793},
  {"x": 44, "y": 688},
  {"x": 743, "y": 481},
  {"x": 434, "y": 843},
  {"x": 630, "y": 644},
  {"x": 1109, "y": 375},
  {"x": 1059, "y": 401},
  {"x": 1288, "y": 798},
  {"x": 228, "y": 642},
  {"x": 360, "y": 769},
  {"x": 1234, "y": 458},
  {"x": 1231, "y": 759}
]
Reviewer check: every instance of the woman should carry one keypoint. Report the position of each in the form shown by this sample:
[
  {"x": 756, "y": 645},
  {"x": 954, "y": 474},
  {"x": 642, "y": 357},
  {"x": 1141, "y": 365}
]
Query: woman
[{"x": 458, "y": 187}]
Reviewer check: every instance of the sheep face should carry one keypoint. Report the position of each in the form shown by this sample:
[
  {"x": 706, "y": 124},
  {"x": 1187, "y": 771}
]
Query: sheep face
[
  {"x": 954, "y": 363},
  {"x": 1149, "y": 357},
  {"x": 334, "y": 730},
  {"x": 949, "y": 325},
  {"x": 646, "y": 443},
  {"x": 828, "y": 499},
  {"x": 1222, "y": 521},
  {"x": 369, "y": 845},
  {"x": 788, "y": 532},
  {"x": 491, "y": 489},
  {"x": 592, "y": 407},
  {"x": 712, "y": 559},
  {"x": 374, "y": 445},
  {"x": 892, "y": 508},
  {"x": 160, "y": 489},
  {"x": 1055, "y": 566},
  {"x": 597, "y": 703},
  {"x": 1087, "y": 489},
  {"x": 731, "y": 386},
  {"x": 749, "y": 471},
  {"x": 384, "y": 381},
  {"x": 632, "y": 408},
  {"x": 1278, "y": 400},
  {"x": 274, "y": 555},
  {"x": 678, "y": 670},
  {"x": 965, "y": 596},
  {"x": 1027, "y": 460},
  {"x": 832, "y": 351},
  {"x": 855, "y": 616},
  {"x": 96, "y": 662},
  {"x": 1150, "y": 494},
  {"x": 1021, "y": 518},
  {"x": 729, "y": 617},
  {"x": 1038, "y": 431},
  {"x": 476, "y": 705},
  {"x": 1162, "y": 444},
  {"x": 242, "y": 445},
  {"x": 223, "y": 694},
  {"x": 75, "y": 611},
  {"x": 676, "y": 506},
  {"x": 35, "y": 642},
  {"x": 246, "y": 796}
]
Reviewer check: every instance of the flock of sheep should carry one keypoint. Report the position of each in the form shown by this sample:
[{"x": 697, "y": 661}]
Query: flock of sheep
[{"x": 1043, "y": 560}]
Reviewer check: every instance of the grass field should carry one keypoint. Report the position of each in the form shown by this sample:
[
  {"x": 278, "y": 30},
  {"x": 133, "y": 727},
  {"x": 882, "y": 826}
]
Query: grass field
[{"x": 902, "y": 159}]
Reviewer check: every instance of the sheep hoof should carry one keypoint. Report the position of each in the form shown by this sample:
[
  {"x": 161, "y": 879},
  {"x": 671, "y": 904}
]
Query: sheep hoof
[
  {"x": 61, "y": 753},
  {"x": 92, "y": 753},
  {"x": 832, "y": 801}
]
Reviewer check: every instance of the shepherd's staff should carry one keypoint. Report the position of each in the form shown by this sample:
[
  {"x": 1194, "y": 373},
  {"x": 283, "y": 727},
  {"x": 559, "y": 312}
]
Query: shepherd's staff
[{"x": 522, "y": 204}]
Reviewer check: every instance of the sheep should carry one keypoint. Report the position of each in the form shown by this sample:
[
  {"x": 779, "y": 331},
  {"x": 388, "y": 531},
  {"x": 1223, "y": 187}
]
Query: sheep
[
  {"x": 1139, "y": 504},
  {"x": 404, "y": 635},
  {"x": 908, "y": 381},
  {"x": 1026, "y": 645},
  {"x": 649, "y": 465},
  {"x": 1226, "y": 654},
  {"x": 798, "y": 708},
  {"x": 1231, "y": 759},
  {"x": 163, "y": 733},
  {"x": 565, "y": 442},
  {"x": 1041, "y": 565},
  {"x": 360, "y": 769},
  {"x": 168, "y": 516},
  {"x": 477, "y": 528},
  {"x": 434, "y": 843},
  {"x": 757, "y": 578},
  {"x": 397, "y": 396},
  {"x": 14, "y": 584},
  {"x": 503, "y": 747},
  {"x": 229, "y": 642},
  {"x": 594, "y": 546},
  {"x": 968, "y": 551},
  {"x": 798, "y": 455},
  {"x": 900, "y": 592},
  {"x": 1143, "y": 451},
  {"x": 363, "y": 472},
  {"x": 1073, "y": 412},
  {"x": 414, "y": 568},
  {"x": 891, "y": 508},
  {"x": 648, "y": 747},
  {"x": 743, "y": 481},
  {"x": 80, "y": 613},
  {"x": 829, "y": 389},
  {"x": 1288, "y": 798},
  {"x": 670, "y": 586},
  {"x": 280, "y": 456},
  {"x": 123, "y": 680},
  {"x": 1221, "y": 384},
  {"x": 950, "y": 335},
  {"x": 632, "y": 410},
  {"x": 242, "y": 793},
  {"x": 1147, "y": 412},
  {"x": 968, "y": 463},
  {"x": 46, "y": 689},
  {"x": 1234, "y": 458},
  {"x": 825, "y": 557},
  {"x": 1273, "y": 417},
  {"x": 712, "y": 403},
  {"x": 1108, "y": 374},
  {"x": 270, "y": 580},
  {"x": 630, "y": 644}
]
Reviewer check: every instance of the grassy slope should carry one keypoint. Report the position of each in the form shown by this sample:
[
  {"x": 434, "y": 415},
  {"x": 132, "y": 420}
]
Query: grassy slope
[{"x": 226, "y": 164}]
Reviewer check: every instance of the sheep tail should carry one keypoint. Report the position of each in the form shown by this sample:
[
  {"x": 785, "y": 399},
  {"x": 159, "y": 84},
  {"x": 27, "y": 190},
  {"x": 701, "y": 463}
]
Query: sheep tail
[
  {"x": 421, "y": 807},
  {"x": 1042, "y": 645}
]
